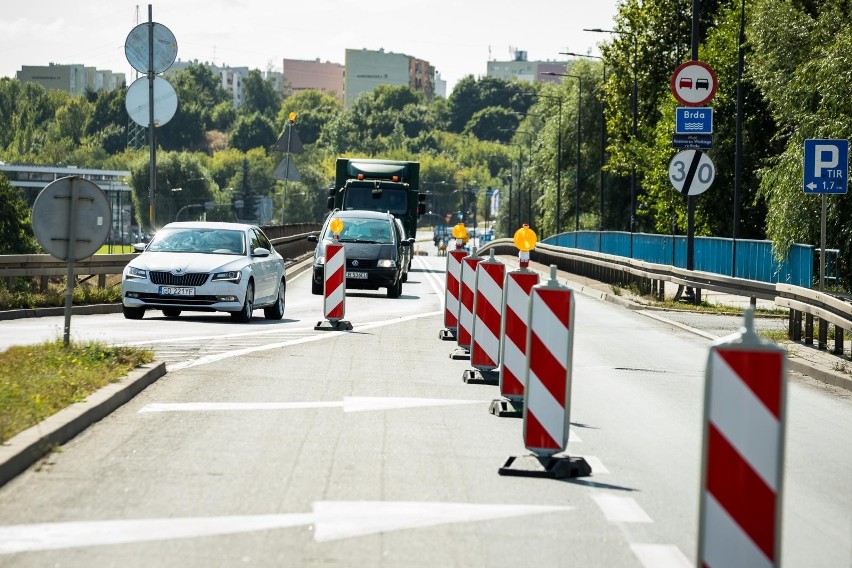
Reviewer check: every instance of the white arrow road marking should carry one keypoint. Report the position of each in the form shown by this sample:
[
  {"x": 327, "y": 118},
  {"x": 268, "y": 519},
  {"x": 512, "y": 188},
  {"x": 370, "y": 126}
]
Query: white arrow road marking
[
  {"x": 660, "y": 556},
  {"x": 595, "y": 463},
  {"x": 621, "y": 509},
  {"x": 49, "y": 536},
  {"x": 206, "y": 360},
  {"x": 348, "y": 404},
  {"x": 343, "y": 519},
  {"x": 332, "y": 520}
]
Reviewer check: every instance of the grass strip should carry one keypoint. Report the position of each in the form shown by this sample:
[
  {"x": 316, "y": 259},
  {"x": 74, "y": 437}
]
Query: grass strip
[{"x": 36, "y": 381}]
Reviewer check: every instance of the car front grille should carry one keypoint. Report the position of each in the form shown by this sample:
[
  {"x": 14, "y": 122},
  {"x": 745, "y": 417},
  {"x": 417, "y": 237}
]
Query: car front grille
[
  {"x": 362, "y": 264},
  {"x": 183, "y": 301},
  {"x": 169, "y": 279}
]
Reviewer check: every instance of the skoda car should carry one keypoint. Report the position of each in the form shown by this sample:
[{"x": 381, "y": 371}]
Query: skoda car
[
  {"x": 205, "y": 267},
  {"x": 374, "y": 248}
]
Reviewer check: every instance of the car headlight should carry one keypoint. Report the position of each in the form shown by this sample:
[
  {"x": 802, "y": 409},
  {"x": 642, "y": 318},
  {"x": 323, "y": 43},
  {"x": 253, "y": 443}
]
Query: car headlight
[
  {"x": 386, "y": 263},
  {"x": 133, "y": 272},
  {"x": 232, "y": 276}
]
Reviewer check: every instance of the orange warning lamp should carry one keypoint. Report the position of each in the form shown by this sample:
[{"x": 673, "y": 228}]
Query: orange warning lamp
[
  {"x": 292, "y": 117},
  {"x": 460, "y": 232},
  {"x": 336, "y": 226},
  {"x": 525, "y": 238}
]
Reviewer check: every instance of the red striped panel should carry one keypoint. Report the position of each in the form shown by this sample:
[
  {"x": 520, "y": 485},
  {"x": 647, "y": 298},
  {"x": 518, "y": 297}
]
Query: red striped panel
[
  {"x": 550, "y": 371},
  {"x": 516, "y": 330},
  {"x": 480, "y": 358},
  {"x": 742, "y": 493},
  {"x": 536, "y": 436},
  {"x": 512, "y": 385},
  {"x": 336, "y": 312},
  {"x": 559, "y": 302},
  {"x": 489, "y": 315},
  {"x": 760, "y": 371}
]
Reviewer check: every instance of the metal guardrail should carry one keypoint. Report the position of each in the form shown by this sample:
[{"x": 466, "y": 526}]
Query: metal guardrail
[{"x": 649, "y": 278}]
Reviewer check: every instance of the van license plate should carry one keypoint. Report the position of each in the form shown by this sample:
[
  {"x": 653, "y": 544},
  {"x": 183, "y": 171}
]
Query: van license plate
[{"x": 357, "y": 275}]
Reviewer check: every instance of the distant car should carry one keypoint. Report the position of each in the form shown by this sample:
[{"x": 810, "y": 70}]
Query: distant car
[
  {"x": 374, "y": 251},
  {"x": 205, "y": 267}
]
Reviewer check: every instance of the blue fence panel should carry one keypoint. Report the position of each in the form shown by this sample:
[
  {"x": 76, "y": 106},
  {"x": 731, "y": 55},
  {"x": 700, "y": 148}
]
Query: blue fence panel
[{"x": 755, "y": 259}]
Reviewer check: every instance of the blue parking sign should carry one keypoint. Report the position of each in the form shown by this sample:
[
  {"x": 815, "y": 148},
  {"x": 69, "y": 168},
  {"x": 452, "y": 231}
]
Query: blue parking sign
[{"x": 826, "y": 166}]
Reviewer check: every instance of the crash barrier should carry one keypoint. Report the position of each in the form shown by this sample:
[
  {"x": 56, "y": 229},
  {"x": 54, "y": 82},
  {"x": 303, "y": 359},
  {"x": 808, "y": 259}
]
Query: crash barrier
[
  {"x": 292, "y": 248},
  {"x": 513, "y": 346},
  {"x": 487, "y": 317},
  {"x": 649, "y": 278},
  {"x": 743, "y": 457},
  {"x": 451, "y": 297},
  {"x": 547, "y": 384},
  {"x": 467, "y": 288},
  {"x": 755, "y": 260}
]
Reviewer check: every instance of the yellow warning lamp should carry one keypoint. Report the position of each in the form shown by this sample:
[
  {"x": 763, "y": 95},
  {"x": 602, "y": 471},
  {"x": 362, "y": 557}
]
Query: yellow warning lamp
[
  {"x": 292, "y": 117},
  {"x": 460, "y": 232},
  {"x": 336, "y": 226},
  {"x": 525, "y": 238}
]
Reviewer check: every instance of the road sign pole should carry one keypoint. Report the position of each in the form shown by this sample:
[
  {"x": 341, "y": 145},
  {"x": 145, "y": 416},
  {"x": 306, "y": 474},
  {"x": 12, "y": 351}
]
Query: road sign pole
[{"x": 822, "y": 230}]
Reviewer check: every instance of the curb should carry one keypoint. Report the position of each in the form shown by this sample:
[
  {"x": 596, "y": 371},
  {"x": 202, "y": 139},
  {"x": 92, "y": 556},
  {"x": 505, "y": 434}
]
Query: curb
[{"x": 27, "y": 447}]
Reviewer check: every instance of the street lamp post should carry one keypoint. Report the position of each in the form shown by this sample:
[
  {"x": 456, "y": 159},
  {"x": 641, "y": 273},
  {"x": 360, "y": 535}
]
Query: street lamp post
[
  {"x": 603, "y": 135},
  {"x": 558, "y": 162},
  {"x": 579, "y": 141},
  {"x": 632, "y": 36}
]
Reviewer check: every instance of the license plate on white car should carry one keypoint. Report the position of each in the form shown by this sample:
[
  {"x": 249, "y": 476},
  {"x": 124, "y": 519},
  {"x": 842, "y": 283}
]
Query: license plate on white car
[
  {"x": 176, "y": 291},
  {"x": 357, "y": 275}
]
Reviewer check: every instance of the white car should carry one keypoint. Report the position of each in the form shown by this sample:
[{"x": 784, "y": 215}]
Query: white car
[{"x": 205, "y": 267}]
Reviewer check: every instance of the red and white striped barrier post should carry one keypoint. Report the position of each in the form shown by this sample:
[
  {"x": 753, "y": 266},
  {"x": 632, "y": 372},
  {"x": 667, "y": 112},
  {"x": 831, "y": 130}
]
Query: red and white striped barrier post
[
  {"x": 467, "y": 289},
  {"x": 487, "y": 319},
  {"x": 451, "y": 295},
  {"x": 334, "y": 283},
  {"x": 743, "y": 457},
  {"x": 547, "y": 388},
  {"x": 513, "y": 335}
]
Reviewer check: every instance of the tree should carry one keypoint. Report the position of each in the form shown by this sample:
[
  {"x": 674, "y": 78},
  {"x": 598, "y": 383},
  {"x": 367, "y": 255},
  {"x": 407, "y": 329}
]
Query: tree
[
  {"x": 259, "y": 96},
  {"x": 16, "y": 230},
  {"x": 313, "y": 110},
  {"x": 470, "y": 96},
  {"x": 253, "y": 131},
  {"x": 492, "y": 123}
]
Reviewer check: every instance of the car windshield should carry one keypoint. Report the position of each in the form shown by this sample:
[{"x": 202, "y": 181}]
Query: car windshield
[
  {"x": 207, "y": 241},
  {"x": 361, "y": 230}
]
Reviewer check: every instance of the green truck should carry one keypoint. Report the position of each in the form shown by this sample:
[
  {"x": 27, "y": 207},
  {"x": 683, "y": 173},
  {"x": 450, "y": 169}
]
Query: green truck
[{"x": 379, "y": 185}]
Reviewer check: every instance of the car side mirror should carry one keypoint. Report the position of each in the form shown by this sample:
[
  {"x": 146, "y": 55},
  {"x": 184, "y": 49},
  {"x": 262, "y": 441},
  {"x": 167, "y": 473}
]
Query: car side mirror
[
  {"x": 411, "y": 240},
  {"x": 139, "y": 247},
  {"x": 260, "y": 252},
  {"x": 313, "y": 239},
  {"x": 405, "y": 243}
]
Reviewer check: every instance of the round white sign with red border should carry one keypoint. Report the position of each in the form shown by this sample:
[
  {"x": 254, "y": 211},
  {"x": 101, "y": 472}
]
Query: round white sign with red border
[{"x": 694, "y": 83}]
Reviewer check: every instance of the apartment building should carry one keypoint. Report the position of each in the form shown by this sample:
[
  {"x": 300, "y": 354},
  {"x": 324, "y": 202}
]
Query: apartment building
[
  {"x": 71, "y": 78},
  {"x": 367, "y": 69}
]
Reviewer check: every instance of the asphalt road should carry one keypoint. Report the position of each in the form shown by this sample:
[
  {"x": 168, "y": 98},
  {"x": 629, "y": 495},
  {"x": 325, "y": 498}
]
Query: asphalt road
[{"x": 272, "y": 444}]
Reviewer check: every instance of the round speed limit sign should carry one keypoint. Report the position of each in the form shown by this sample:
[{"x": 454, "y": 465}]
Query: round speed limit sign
[{"x": 691, "y": 172}]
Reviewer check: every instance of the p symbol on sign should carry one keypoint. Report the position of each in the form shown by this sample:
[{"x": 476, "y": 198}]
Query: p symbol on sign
[{"x": 820, "y": 160}]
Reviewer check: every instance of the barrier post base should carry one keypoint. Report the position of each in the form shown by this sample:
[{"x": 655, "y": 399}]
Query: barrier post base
[
  {"x": 336, "y": 325},
  {"x": 447, "y": 334},
  {"x": 553, "y": 467},
  {"x": 460, "y": 353},
  {"x": 477, "y": 377},
  {"x": 507, "y": 408}
]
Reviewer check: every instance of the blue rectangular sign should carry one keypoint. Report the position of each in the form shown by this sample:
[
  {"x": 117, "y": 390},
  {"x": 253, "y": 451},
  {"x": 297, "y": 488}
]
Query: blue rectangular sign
[
  {"x": 692, "y": 120},
  {"x": 826, "y": 166}
]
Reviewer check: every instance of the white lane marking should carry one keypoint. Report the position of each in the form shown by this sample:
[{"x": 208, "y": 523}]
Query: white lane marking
[
  {"x": 679, "y": 325},
  {"x": 595, "y": 463},
  {"x": 572, "y": 437},
  {"x": 621, "y": 509},
  {"x": 660, "y": 556},
  {"x": 434, "y": 279},
  {"x": 232, "y": 406},
  {"x": 348, "y": 404},
  {"x": 50, "y": 536},
  {"x": 332, "y": 520},
  {"x": 214, "y": 358},
  {"x": 336, "y": 520}
]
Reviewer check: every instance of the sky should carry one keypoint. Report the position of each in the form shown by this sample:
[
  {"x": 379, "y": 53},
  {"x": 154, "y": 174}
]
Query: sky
[{"x": 457, "y": 37}]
